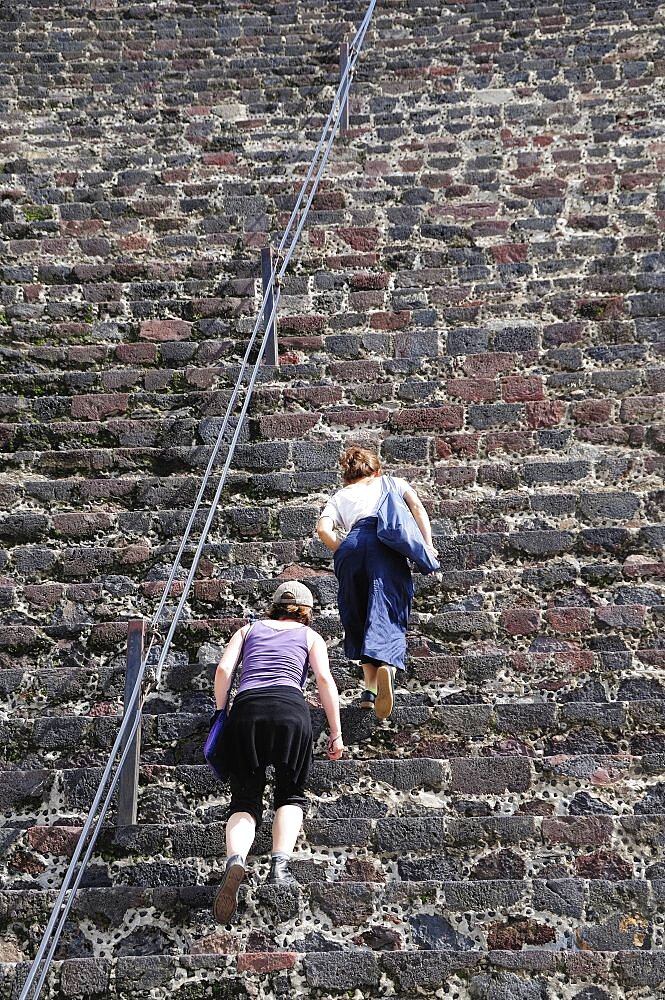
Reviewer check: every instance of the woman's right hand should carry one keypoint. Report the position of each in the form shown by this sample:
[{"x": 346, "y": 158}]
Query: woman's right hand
[{"x": 335, "y": 748}]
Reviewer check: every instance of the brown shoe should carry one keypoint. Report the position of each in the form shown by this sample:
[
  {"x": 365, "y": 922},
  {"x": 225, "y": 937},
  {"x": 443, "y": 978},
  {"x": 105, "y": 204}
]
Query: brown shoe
[
  {"x": 385, "y": 691},
  {"x": 226, "y": 899}
]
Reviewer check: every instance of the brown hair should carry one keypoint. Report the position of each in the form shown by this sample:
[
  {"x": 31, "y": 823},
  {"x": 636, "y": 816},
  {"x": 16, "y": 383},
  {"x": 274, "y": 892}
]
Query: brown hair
[
  {"x": 298, "y": 612},
  {"x": 357, "y": 463}
]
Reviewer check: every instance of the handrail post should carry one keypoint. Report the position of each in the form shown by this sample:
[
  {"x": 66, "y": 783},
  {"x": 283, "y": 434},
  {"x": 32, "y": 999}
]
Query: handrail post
[
  {"x": 128, "y": 785},
  {"x": 272, "y": 351},
  {"x": 343, "y": 61}
]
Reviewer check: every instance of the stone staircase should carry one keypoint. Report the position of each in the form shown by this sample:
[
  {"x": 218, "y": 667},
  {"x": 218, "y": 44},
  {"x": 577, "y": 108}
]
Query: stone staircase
[{"x": 478, "y": 294}]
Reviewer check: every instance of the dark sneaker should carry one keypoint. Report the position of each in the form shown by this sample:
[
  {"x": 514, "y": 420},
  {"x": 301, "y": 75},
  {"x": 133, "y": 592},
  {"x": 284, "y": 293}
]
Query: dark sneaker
[
  {"x": 385, "y": 691},
  {"x": 280, "y": 874},
  {"x": 226, "y": 900},
  {"x": 367, "y": 699}
]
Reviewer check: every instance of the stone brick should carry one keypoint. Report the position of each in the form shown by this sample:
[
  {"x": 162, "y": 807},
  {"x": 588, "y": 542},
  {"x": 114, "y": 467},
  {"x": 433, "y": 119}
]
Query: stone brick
[
  {"x": 476, "y": 778},
  {"x": 473, "y": 389},
  {"x": 567, "y": 621},
  {"x": 99, "y": 406},
  {"x": 160, "y": 330},
  {"x": 621, "y": 616},
  {"x": 263, "y": 962},
  {"x": 641, "y": 409},
  {"x": 520, "y": 388},
  {"x": 592, "y": 411},
  {"x": 546, "y": 413},
  {"x": 349, "y": 971},
  {"x": 447, "y": 417},
  {"x": 85, "y": 977},
  {"x": 520, "y": 621},
  {"x": 288, "y": 425},
  {"x": 578, "y": 831}
]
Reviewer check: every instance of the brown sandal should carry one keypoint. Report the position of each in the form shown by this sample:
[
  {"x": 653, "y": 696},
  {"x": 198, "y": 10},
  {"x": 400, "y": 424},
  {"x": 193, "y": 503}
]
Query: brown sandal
[{"x": 385, "y": 691}]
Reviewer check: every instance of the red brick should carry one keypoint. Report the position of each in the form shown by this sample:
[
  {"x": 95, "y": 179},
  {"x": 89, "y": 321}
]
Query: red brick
[
  {"x": 545, "y": 413},
  {"x": 390, "y": 320},
  {"x": 43, "y": 595},
  {"x": 520, "y": 442},
  {"x": 630, "y": 182},
  {"x": 301, "y": 343},
  {"x": 642, "y": 409},
  {"x": 592, "y": 411},
  {"x": 569, "y": 620},
  {"x": 464, "y": 445},
  {"x": 488, "y": 365},
  {"x": 269, "y": 961},
  {"x": 288, "y": 425},
  {"x": 81, "y": 525},
  {"x": 476, "y": 390},
  {"x": 520, "y": 621},
  {"x": 132, "y": 555},
  {"x": 643, "y": 566},
  {"x": 602, "y": 309},
  {"x": 448, "y": 417},
  {"x": 311, "y": 323},
  {"x": 220, "y": 159},
  {"x": 349, "y": 417},
  {"x": 99, "y": 405},
  {"x": 369, "y": 281},
  {"x": 621, "y": 615},
  {"x": 360, "y": 238},
  {"x": 58, "y": 840},
  {"x": 136, "y": 353},
  {"x": 364, "y": 301},
  {"x": 520, "y": 388},
  {"x": 165, "y": 329},
  {"x": 578, "y": 831},
  {"x": 510, "y": 253}
]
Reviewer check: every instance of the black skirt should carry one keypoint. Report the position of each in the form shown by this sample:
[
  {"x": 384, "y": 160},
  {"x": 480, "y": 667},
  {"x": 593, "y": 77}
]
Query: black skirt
[{"x": 269, "y": 725}]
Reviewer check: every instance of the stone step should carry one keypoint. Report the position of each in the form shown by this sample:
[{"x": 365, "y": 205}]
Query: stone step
[
  {"x": 418, "y": 848},
  {"x": 28, "y": 691},
  {"x": 565, "y": 784},
  {"x": 516, "y": 629},
  {"x": 367, "y": 969},
  {"x": 100, "y": 397},
  {"x": 446, "y": 730},
  {"x": 525, "y": 525},
  {"x": 580, "y": 914}
]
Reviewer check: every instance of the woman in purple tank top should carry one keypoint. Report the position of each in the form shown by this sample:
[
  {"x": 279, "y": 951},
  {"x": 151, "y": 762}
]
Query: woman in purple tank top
[{"x": 269, "y": 723}]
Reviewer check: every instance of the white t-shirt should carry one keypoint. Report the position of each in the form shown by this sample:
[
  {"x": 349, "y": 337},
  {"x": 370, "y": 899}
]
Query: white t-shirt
[{"x": 360, "y": 499}]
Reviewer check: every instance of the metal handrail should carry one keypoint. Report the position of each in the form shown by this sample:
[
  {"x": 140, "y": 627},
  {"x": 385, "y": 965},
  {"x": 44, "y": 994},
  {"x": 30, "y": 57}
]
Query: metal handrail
[{"x": 126, "y": 733}]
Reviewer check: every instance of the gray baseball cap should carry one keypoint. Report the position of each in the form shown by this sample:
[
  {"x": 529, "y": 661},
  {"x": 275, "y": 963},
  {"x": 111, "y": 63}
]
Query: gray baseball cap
[{"x": 293, "y": 593}]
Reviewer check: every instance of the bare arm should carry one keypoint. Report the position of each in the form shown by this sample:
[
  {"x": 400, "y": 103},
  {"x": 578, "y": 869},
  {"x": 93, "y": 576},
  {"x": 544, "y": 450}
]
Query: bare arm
[
  {"x": 325, "y": 529},
  {"x": 318, "y": 658},
  {"x": 421, "y": 516},
  {"x": 227, "y": 665}
]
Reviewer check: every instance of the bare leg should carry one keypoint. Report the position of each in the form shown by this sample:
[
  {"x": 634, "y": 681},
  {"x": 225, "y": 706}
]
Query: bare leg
[
  {"x": 240, "y": 831},
  {"x": 369, "y": 673},
  {"x": 285, "y": 828}
]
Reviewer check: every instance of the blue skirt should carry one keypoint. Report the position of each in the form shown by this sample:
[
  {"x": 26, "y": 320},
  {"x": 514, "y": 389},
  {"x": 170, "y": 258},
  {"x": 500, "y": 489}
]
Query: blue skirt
[{"x": 374, "y": 597}]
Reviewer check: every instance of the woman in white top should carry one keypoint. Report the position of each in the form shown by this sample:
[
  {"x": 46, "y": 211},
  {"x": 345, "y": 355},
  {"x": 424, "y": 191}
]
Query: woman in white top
[{"x": 375, "y": 585}]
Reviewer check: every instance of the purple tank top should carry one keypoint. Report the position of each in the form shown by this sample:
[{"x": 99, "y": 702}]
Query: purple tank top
[{"x": 274, "y": 656}]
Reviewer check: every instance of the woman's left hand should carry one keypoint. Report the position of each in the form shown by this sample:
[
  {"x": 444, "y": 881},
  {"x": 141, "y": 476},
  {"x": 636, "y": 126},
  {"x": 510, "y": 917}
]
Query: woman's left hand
[{"x": 335, "y": 748}]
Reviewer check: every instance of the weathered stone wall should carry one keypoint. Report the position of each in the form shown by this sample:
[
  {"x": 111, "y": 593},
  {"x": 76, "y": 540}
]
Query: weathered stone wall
[{"x": 479, "y": 294}]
